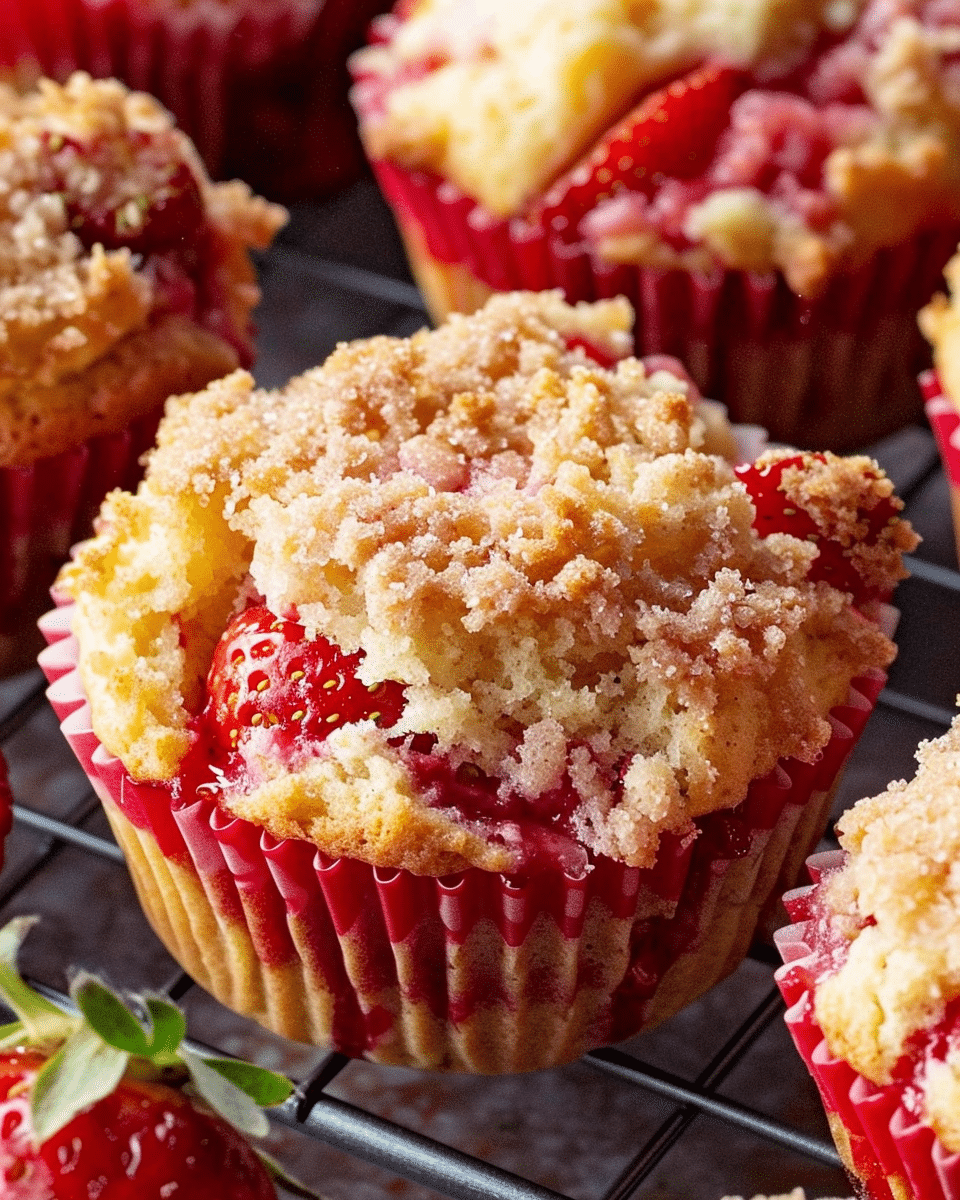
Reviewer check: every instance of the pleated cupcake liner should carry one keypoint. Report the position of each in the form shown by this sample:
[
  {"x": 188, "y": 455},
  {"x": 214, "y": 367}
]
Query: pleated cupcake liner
[
  {"x": 44, "y": 509},
  {"x": 944, "y": 419},
  {"x": 837, "y": 372},
  {"x": 259, "y": 85},
  {"x": 476, "y": 971},
  {"x": 888, "y": 1151}
]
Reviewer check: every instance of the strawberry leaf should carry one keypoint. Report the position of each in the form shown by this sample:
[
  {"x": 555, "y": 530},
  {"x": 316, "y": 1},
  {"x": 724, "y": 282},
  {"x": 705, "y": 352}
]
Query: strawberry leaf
[
  {"x": 83, "y": 1071},
  {"x": 108, "y": 1015},
  {"x": 225, "y": 1098},
  {"x": 41, "y": 1019},
  {"x": 168, "y": 1029},
  {"x": 262, "y": 1086},
  {"x": 287, "y": 1182},
  {"x": 11, "y": 1034}
]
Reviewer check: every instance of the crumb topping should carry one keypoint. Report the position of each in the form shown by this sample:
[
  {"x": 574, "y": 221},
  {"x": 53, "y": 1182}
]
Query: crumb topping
[
  {"x": 79, "y": 276},
  {"x": 539, "y": 548},
  {"x": 895, "y": 907}
]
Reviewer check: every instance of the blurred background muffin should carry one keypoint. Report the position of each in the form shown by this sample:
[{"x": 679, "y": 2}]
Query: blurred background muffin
[
  {"x": 125, "y": 277},
  {"x": 940, "y": 322},
  {"x": 775, "y": 187},
  {"x": 259, "y": 85}
]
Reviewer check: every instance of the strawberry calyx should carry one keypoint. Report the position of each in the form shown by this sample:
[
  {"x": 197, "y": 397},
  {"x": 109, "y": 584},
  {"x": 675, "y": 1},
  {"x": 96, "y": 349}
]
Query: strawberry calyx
[
  {"x": 775, "y": 513},
  {"x": 670, "y": 133},
  {"x": 83, "y": 1056}
]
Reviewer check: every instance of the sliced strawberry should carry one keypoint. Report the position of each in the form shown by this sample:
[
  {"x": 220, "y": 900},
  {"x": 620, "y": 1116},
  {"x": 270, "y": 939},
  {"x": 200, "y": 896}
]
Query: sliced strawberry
[
  {"x": 134, "y": 190},
  {"x": 774, "y": 514},
  {"x": 671, "y": 133},
  {"x": 266, "y": 675}
]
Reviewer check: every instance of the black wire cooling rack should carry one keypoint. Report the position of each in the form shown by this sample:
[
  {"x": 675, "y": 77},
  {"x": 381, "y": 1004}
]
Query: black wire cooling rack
[{"x": 713, "y": 1103}]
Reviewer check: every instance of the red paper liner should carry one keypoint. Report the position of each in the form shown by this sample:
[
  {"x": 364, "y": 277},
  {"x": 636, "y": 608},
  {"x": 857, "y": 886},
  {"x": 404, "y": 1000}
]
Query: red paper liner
[
  {"x": 836, "y": 372},
  {"x": 44, "y": 509},
  {"x": 888, "y": 1151},
  {"x": 477, "y": 971},
  {"x": 259, "y": 85}
]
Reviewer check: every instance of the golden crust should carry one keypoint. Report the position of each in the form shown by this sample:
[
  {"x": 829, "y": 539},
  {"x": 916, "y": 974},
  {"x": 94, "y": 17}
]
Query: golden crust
[
  {"x": 538, "y": 547},
  {"x": 545, "y": 80},
  {"x": 73, "y": 320},
  {"x": 903, "y": 968}
]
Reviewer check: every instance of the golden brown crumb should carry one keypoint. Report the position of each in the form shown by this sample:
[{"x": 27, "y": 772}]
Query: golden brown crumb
[
  {"x": 71, "y": 318},
  {"x": 536, "y": 546},
  {"x": 900, "y": 877}
]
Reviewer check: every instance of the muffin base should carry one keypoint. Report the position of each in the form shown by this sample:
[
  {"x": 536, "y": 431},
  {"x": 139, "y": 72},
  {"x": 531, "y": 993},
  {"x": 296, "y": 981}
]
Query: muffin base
[
  {"x": 836, "y": 373},
  {"x": 888, "y": 1153},
  {"x": 474, "y": 972}
]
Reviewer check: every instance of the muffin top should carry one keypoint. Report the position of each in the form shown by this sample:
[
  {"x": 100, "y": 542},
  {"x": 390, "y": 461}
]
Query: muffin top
[
  {"x": 843, "y": 135},
  {"x": 889, "y": 936},
  {"x": 552, "y": 561},
  {"x": 940, "y": 323},
  {"x": 116, "y": 251}
]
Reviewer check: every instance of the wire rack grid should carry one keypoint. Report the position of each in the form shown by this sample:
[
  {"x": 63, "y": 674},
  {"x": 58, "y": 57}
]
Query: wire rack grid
[{"x": 713, "y": 1103}]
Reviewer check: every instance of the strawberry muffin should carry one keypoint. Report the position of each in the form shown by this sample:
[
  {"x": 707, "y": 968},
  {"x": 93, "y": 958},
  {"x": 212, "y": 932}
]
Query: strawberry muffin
[
  {"x": 872, "y": 983},
  {"x": 775, "y": 186},
  {"x": 125, "y": 276},
  {"x": 259, "y": 85},
  {"x": 462, "y": 705},
  {"x": 940, "y": 322}
]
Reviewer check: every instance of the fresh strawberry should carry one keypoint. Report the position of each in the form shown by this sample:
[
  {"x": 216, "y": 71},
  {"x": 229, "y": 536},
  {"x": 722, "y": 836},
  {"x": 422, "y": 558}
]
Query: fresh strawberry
[
  {"x": 134, "y": 190},
  {"x": 774, "y": 514},
  {"x": 671, "y": 133},
  {"x": 95, "y": 1104},
  {"x": 267, "y": 676}
]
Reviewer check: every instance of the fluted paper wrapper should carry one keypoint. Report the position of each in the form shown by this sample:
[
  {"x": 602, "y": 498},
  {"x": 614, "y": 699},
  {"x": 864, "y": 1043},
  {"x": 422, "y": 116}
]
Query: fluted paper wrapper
[
  {"x": 259, "y": 85},
  {"x": 473, "y": 972},
  {"x": 944, "y": 418},
  {"x": 833, "y": 373},
  {"x": 889, "y": 1153},
  {"x": 44, "y": 509}
]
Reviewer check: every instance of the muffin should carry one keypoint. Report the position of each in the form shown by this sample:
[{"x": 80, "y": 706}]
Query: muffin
[
  {"x": 259, "y": 85},
  {"x": 872, "y": 987},
  {"x": 448, "y": 705},
  {"x": 125, "y": 276},
  {"x": 941, "y": 386},
  {"x": 775, "y": 187}
]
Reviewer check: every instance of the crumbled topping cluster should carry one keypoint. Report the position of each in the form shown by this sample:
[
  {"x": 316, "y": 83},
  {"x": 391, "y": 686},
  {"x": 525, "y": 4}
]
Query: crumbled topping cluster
[{"x": 542, "y": 550}]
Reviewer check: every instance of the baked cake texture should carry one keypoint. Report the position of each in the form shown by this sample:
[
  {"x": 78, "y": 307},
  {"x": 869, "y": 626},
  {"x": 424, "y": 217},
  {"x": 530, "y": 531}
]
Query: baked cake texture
[
  {"x": 125, "y": 277},
  {"x": 596, "y": 145},
  {"x": 549, "y": 577},
  {"x": 873, "y": 974}
]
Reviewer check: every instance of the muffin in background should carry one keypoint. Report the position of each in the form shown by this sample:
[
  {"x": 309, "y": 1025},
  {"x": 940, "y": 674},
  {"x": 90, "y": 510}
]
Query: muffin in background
[
  {"x": 872, "y": 984},
  {"x": 462, "y": 705},
  {"x": 775, "y": 188},
  {"x": 125, "y": 277},
  {"x": 259, "y": 85},
  {"x": 6, "y": 807},
  {"x": 940, "y": 323}
]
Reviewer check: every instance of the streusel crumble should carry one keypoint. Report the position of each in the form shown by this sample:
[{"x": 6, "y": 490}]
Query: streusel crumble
[{"x": 541, "y": 553}]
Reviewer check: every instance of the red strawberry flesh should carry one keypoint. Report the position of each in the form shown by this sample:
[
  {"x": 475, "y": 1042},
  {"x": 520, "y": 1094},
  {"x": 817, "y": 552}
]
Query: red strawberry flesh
[
  {"x": 774, "y": 514},
  {"x": 671, "y": 133}
]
